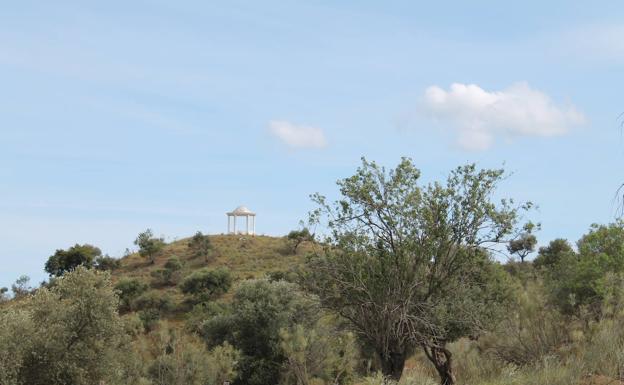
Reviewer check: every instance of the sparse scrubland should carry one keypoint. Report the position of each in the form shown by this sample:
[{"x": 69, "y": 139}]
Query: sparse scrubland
[{"x": 402, "y": 285}]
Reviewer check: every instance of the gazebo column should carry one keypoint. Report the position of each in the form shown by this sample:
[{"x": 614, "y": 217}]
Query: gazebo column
[
  {"x": 247, "y": 224},
  {"x": 234, "y": 224},
  {"x": 254, "y": 225}
]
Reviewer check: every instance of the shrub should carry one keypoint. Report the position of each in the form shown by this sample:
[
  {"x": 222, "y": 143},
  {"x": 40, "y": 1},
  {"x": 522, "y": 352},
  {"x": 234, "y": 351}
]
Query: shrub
[
  {"x": 107, "y": 263},
  {"x": 317, "y": 354},
  {"x": 128, "y": 290},
  {"x": 259, "y": 310},
  {"x": 205, "y": 285},
  {"x": 200, "y": 246},
  {"x": 529, "y": 334},
  {"x": 151, "y": 306},
  {"x": 297, "y": 237},
  {"x": 177, "y": 359},
  {"x": 75, "y": 334},
  {"x": 170, "y": 274}
]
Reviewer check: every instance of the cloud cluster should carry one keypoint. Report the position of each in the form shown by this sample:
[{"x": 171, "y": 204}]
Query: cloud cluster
[
  {"x": 297, "y": 136},
  {"x": 480, "y": 116}
]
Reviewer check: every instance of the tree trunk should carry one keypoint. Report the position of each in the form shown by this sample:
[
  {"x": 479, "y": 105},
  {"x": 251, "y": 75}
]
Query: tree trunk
[
  {"x": 392, "y": 364},
  {"x": 441, "y": 358}
]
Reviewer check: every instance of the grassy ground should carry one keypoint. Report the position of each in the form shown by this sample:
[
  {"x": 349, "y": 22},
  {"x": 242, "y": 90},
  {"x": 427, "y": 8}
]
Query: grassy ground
[{"x": 244, "y": 256}]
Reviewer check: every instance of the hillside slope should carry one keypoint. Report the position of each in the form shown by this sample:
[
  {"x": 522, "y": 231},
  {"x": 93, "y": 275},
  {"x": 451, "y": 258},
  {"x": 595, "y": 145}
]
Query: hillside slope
[{"x": 244, "y": 256}]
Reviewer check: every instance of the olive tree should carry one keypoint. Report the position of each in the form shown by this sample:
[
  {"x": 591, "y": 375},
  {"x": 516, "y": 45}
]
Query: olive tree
[
  {"x": 200, "y": 246},
  {"x": 149, "y": 245},
  {"x": 408, "y": 265},
  {"x": 69, "y": 333},
  {"x": 297, "y": 237}
]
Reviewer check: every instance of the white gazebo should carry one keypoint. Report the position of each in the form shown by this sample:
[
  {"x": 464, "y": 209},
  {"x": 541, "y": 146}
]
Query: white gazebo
[{"x": 241, "y": 211}]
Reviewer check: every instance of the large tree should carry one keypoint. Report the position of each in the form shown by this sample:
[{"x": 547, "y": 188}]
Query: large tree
[
  {"x": 408, "y": 265},
  {"x": 67, "y": 260}
]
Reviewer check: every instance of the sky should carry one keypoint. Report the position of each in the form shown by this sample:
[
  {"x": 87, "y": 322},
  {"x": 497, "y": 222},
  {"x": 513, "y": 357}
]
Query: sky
[{"x": 118, "y": 116}]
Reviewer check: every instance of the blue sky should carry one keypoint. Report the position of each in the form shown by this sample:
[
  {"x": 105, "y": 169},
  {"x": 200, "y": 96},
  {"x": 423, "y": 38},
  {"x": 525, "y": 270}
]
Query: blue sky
[{"x": 119, "y": 116}]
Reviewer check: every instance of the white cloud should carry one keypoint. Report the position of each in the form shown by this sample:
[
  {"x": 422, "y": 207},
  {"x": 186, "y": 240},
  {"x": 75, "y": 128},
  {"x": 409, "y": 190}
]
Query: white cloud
[
  {"x": 480, "y": 116},
  {"x": 297, "y": 136}
]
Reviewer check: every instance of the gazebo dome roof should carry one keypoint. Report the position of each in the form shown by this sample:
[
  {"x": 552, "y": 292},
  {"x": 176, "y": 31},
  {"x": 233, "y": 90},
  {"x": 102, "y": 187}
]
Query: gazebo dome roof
[{"x": 241, "y": 210}]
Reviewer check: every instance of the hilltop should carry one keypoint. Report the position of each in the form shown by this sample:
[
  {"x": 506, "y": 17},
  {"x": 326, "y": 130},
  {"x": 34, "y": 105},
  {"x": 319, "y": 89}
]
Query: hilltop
[{"x": 245, "y": 256}]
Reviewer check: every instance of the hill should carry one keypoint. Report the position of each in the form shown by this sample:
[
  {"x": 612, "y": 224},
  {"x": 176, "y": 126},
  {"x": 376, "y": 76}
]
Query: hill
[{"x": 246, "y": 257}]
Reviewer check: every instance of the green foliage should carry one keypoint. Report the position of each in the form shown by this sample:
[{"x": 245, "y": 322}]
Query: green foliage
[
  {"x": 69, "y": 333},
  {"x": 177, "y": 359},
  {"x": 16, "y": 328},
  {"x": 259, "y": 310},
  {"x": 550, "y": 256},
  {"x": 106, "y": 263},
  {"x": 405, "y": 264},
  {"x": 200, "y": 246},
  {"x": 3, "y": 296},
  {"x": 577, "y": 281},
  {"x": 149, "y": 246},
  {"x": 151, "y": 306},
  {"x": 297, "y": 237},
  {"x": 170, "y": 274},
  {"x": 524, "y": 244},
  {"x": 128, "y": 290},
  {"x": 67, "y": 260},
  {"x": 206, "y": 285},
  {"x": 531, "y": 332},
  {"x": 318, "y": 355},
  {"x": 21, "y": 287}
]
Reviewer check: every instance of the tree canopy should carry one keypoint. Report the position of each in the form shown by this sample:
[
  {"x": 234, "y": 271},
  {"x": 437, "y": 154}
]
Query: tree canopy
[
  {"x": 149, "y": 245},
  {"x": 407, "y": 265},
  {"x": 67, "y": 260}
]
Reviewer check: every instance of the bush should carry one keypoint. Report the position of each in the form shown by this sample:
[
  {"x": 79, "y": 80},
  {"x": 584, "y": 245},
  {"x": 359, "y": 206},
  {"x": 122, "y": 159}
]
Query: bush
[
  {"x": 205, "y": 285},
  {"x": 170, "y": 274},
  {"x": 107, "y": 263},
  {"x": 128, "y": 290},
  {"x": 319, "y": 354},
  {"x": 69, "y": 333},
  {"x": 177, "y": 359},
  {"x": 151, "y": 306},
  {"x": 259, "y": 310},
  {"x": 531, "y": 333},
  {"x": 200, "y": 246}
]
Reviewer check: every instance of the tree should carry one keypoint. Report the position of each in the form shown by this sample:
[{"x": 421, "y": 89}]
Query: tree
[
  {"x": 407, "y": 265},
  {"x": 200, "y": 246},
  {"x": 524, "y": 244},
  {"x": 205, "y": 285},
  {"x": 21, "y": 287},
  {"x": 577, "y": 281},
  {"x": 259, "y": 310},
  {"x": 149, "y": 246},
  {"x": 67, "y": 260},
  {"x": 74, "y": 333},
  {"x": 297, "y": 237},
  {"x": 3, "y": 295},
  {"x": 549, "y": 256}
]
